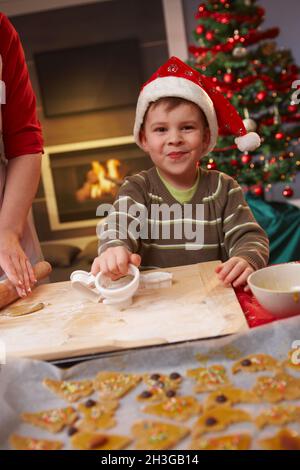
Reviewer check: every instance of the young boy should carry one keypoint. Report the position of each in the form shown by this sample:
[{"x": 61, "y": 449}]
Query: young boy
[{"x": 179, "y": 114}]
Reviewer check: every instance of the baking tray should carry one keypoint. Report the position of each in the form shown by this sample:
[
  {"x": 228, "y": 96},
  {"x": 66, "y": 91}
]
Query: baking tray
[{"x": 21, "y": 386}]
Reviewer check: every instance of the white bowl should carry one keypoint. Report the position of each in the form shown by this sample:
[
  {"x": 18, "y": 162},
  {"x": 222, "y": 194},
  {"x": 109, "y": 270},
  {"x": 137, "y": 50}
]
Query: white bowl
[{"x": 277, "y": 288}]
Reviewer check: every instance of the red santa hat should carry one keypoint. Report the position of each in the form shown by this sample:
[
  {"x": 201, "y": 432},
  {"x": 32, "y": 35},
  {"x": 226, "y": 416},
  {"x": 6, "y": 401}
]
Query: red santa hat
[{"x": 177, "y": 79}]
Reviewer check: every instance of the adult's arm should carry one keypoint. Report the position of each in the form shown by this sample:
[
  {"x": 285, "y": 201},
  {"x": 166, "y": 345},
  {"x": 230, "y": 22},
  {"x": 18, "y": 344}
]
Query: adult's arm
[
  {"x": 21, "y": 184},
  {"x": 23, "y": 146}
]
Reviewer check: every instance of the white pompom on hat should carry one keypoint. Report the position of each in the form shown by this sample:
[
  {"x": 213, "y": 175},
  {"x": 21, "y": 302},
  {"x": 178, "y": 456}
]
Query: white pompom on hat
[{"x": 177, "y": 79}]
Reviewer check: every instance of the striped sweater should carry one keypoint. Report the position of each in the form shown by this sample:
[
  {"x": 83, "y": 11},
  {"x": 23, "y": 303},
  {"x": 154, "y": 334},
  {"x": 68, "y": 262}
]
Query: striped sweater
[{"x": 226, "y": 223}]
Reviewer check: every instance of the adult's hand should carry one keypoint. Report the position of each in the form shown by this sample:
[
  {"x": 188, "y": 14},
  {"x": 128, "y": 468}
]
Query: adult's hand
[{"x": 15, "y": 264}]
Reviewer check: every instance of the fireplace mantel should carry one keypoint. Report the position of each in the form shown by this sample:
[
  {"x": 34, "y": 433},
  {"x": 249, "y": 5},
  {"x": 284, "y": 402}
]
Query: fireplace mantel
[{"x": 68, "y": 158}]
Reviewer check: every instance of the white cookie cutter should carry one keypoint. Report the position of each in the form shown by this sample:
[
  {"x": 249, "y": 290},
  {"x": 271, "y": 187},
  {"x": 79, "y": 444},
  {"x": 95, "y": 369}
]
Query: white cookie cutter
[{"x": 118, "y": 293}]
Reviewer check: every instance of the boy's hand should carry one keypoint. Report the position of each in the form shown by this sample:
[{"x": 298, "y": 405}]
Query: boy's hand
[
  {"x": 114, "y": 262},
  {"x": 235, "y": 271}
]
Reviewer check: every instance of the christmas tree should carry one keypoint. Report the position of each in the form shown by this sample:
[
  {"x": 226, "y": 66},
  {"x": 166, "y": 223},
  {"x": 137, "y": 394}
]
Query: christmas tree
[{"x": 257, "y": 77}]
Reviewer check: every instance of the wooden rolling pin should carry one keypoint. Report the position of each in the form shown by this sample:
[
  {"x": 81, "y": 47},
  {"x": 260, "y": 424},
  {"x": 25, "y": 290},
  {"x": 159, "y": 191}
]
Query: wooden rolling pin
[{"x": 8, "y": 293}]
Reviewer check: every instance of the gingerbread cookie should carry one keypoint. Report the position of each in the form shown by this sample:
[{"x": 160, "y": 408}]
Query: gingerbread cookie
[
  {"x": 277, "y": 415},
  {"x": 96, "y": 441},
  {"x": 285, "y": 439},
  {"x": 113, "y": 385},
  {"x": 255, "y": 363},
  {"x": 155, "y": 435},
  {"x": 28, "y": 443},
  {"x": 178, "y": 408},
  {"x": 155, "y": 395},
  {"x": 70, "y": 390},
  {"x": 97, "y": 415},
  {"x": 20, "y": 310},
  {"x": 227, "y": 396},
  {"x": 280, "y": 387},
  {"x": 53, "y": 420},
  {"x": 228, "y": 351},
  {"x": 230, "y": 442},
  {"x": 293, "y": 361},
  {"x": 165, "y": 382},
  {"x": 219, "y": 418},
  {"x": 208, "y": 378},
  {"x": 160, "y": 387}
]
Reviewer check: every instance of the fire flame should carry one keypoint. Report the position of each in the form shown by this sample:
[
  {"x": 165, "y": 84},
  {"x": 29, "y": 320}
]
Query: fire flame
[{"x": 100, "y": 180}]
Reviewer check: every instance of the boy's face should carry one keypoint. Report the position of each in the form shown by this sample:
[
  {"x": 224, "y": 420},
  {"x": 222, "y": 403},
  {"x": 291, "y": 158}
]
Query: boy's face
[{"x": 175, "y": 140}]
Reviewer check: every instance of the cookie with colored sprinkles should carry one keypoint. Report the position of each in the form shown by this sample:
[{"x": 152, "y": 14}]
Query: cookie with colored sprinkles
[
  {"x": 156, "y": 435},
  {"x": 177, "y": 408},
  {"x": 278, "y": 415},
  {"x": 18, "y": 442},
  {"x": 293, "y": 361},
  {"x": 255, "y": 363},
  {"x": 70, "y": 390},
  {"x": 97, "y": 441},
  {"x": 112, "y": 385},
  {"x": 229, "y": 442},
  {"x": 53, "y": 420},
  {"x": 163, "y": 381},
  {"x": 152, "y": 395},
  {"x": 208, "y": 378},
  {"x": 228, "y": 396},
  {"x": 97, "y": 415},
  {"x": 277, "y": 388},
  {"x": 219, "y": 418},
  {"x": 285, "y": 439}
]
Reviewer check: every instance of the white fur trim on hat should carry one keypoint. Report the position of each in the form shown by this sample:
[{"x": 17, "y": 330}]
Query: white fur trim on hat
[
  {"x": 248, "y": 142},
  {"x": 178, "y": 87}
]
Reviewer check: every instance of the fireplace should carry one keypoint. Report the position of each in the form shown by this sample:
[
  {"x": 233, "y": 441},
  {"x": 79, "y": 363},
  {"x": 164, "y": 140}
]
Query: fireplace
[{"x": 78, "y": 177}]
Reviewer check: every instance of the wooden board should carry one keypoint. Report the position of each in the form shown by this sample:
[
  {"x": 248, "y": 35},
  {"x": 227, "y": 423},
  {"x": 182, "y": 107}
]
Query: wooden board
[{"x": 196, "y": 306}]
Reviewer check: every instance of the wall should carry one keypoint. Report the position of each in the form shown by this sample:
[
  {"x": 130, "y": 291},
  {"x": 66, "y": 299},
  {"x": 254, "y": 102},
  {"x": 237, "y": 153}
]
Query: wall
[{"x": 23, "y": 7}]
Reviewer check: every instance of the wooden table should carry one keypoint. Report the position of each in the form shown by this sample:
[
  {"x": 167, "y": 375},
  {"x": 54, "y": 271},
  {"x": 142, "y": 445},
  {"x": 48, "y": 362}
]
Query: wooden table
[{"x": 196, "y": 306}]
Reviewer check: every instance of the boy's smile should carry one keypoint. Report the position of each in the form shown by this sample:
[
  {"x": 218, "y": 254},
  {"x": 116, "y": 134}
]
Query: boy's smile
[{"x": 176, "y": 140}]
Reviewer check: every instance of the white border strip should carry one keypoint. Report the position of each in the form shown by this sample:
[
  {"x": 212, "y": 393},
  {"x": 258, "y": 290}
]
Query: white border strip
[{"x": 175, "y": 28}]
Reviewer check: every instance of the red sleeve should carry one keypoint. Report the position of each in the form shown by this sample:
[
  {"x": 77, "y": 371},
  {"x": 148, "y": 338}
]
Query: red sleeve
[{"x": 22, "y": 133}]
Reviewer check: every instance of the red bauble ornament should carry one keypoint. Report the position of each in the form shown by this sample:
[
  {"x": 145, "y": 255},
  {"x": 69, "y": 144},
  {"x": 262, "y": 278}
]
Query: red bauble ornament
[
  {"x": 271, "y": 87},
  {"x": 228, "y": 77},
  {"x": 258, "y": 191},
  {"x": 288, "y": 192},
  {"x": 229, "y": 95},
  {"x": 200, "y": 29},
  {"x": 279, "y": 136},
  {"x": 261, "y": 95},
  {"x": 211, "y": 166},
  {"x": 292, "y": 108},
  {"x": 201, "y": 8},
  {"x": 246, "y": 159},
  {"x": 234, "y": 162},
  {"x": 210, "y": 35}
]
